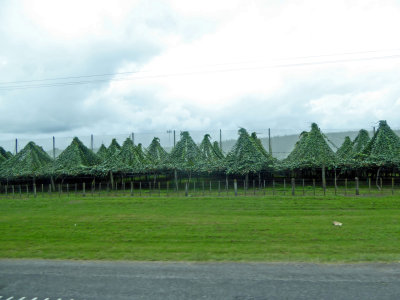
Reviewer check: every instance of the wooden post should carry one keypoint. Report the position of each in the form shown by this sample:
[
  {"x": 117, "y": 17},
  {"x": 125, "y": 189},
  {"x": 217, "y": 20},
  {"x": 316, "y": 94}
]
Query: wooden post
[
  {"x": 273, "y": 187},
  {"x": 235, "y": 187},
  {"x": 159, "y": 189},
  {"x": 108, "y": 188},
  {"x": 357, "y": 187},
  {"x": 42, "y": 189},
  {"x": 49, "y": 190},
  {"x": 210, "y": 187},
  {"x": 313, "y": 184},
  {"x": 150, "y": 188},
  {"x": 264, "y": 188},
  {"x": 381, "y": 184},
  {"x": 167, "y": 187},
  {"x": 34, "y": 190},
  {"x": 335, "y": 186},
  {"x": 59, "y": 190},
  {"x": 284, "y": 186},
  {"x": 293, "y": 187},
  {"x": 84, "y": 189},
  {"x": 186, "y": 189},
  {"x": 392, "y": 185},
  {"x": 369, "y": 185},
  {"x": 131, "y": 188},
  {"x": 345, "y": 186}
]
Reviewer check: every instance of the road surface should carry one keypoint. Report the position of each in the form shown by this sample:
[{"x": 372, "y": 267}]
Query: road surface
[{"x": 65, "y": 280}]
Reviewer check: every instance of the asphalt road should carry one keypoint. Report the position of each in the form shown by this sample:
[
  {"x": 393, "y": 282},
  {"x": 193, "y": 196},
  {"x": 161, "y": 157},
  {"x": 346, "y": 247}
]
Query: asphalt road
[{"x": 43, "y": 279}]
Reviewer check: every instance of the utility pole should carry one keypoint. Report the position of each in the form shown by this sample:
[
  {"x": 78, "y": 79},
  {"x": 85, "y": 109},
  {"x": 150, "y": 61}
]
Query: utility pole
[
  {"x": 91, "y": 141},
  {"x": 220, "y": 139},
  {"x": 269, "y": 141},
  {"x": 169, "y": 131},
  {"x": 16, "y": 146},
  {"x": 373, "y": 130},
  {"x": 174, "y": 139},
  {"x": 133, "y": 137},
  {"x": 54, "y": 148}
]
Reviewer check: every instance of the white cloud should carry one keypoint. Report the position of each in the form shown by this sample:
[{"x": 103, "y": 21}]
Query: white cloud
[{"x": 201, "y": 64}]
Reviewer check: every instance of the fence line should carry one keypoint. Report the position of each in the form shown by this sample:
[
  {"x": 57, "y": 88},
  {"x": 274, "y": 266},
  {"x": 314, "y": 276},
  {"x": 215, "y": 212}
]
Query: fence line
[{"x": 195, "y": 188}]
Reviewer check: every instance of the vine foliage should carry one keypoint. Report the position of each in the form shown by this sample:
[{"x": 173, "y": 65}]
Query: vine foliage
[{"x": 29, "y": 162}]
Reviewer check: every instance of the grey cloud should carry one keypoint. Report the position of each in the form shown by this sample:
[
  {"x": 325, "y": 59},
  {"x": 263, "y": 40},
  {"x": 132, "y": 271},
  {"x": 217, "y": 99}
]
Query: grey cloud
[{"x": 31, "y": 54}]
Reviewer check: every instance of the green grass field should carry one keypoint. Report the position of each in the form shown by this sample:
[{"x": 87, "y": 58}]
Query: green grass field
[{"x": 210, "y": 228}]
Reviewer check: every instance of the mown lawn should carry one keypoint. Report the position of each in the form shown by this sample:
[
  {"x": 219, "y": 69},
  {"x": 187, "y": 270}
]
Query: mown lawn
[{"x": 280, "y": 228}]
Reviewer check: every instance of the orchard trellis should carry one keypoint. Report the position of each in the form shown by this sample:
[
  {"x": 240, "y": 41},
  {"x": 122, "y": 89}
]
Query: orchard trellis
[{"x": 313, "y": 156}]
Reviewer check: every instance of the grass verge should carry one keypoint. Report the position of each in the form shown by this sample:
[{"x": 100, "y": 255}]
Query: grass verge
[{"x": 280, "y": 228}]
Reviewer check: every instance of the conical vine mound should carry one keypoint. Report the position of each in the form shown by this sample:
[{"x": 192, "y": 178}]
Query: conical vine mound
[
  {"x": 383, "y": 149},
  {"x": 213, "y": 157},
  {"x": 246, "y": 156},
  {"x": 311, "y": 151},
  {"x": 345, "y": 154},
  {"x": 156, "y": 154},
  {"x": 29, "y": 162},
  {"x": 76, "y": 159},
  {"x": 361, "y": 141},
  {"x": 102, "y": 152},
  {"x": 185, "y": 156},
  {"x": 5, "y": 154}
]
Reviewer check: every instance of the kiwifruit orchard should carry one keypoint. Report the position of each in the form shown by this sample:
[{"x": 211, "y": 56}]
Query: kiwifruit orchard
[{"x": 365, "y": 162}]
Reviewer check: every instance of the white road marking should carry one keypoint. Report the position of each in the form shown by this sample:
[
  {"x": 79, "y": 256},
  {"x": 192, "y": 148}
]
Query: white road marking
[
  {"x": 22, "y": 298},
  {"x": 47, "y": 299},
  {"x": 34, "y": 298},
  {"x": 10, "y": 298}
]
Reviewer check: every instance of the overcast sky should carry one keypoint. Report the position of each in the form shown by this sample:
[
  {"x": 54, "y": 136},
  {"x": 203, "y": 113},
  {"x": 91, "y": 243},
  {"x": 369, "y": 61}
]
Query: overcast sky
[{"x": 197, "y": 65}]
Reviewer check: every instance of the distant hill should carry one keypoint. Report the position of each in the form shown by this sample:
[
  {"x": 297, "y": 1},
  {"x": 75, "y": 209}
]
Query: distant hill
[{"x": 58, "y": 152}]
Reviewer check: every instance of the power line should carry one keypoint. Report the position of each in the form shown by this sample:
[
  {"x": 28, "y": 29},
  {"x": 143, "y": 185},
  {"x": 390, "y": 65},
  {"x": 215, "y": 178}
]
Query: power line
[
  {"x": 209, "y": 65},
  {"x": 71, "y": 83}
]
